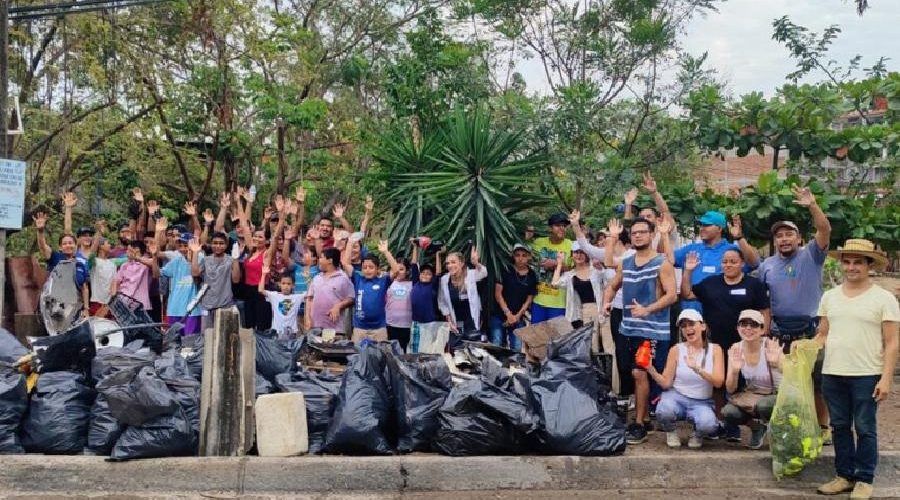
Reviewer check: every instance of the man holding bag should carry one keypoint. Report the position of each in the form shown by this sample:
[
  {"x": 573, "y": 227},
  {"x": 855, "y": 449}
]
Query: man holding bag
[{"x": 858, "y": 327}]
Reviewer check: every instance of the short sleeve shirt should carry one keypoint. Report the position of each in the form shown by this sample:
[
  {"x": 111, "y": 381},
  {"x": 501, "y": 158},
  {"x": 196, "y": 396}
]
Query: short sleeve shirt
[
  {"x": 326, "y": 291},
  {"x": 285, "y": 309},
  {"x": 182, "y": 287},
  {"x": 854, "y": 345},
  {"x": 216, "y": 273},
  {"x": 371, "y": 296},
  {"x": 795, "y": 282},
  {"x": 710, "y": 264},
  {"x": 517, "y": 288},
  {"x": 547, "y": 294},
  {"x": 723, "y": 303},
  {"x": 134, "y": 281}
]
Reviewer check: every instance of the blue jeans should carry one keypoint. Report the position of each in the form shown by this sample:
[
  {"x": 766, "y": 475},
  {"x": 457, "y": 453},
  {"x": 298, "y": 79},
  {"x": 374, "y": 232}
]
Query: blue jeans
[
  {"x": 674, "y": 406},
  {"x": 501, "y": 334},
  {"x": 540, "y": 313},
  {"x": 850, "y": 404}
]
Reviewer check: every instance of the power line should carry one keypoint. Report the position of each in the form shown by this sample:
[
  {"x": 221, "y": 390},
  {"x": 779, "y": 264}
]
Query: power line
[{"x": 66, "y": 8}]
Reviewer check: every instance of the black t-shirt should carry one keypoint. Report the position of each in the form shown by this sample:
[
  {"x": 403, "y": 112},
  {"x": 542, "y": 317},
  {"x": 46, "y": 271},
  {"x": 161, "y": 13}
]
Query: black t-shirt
[
  {"x": 723, "y": 303},
  {"x": 517, "y": 288},
  {"x": 459, "y": 299},
  {"x": 584, "y": 289}
]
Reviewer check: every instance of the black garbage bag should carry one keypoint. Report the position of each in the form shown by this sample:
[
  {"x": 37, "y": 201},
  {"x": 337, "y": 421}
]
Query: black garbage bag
[
  {"x": 566, "y": 393},
  {"x": 58, "y": 415},
  {"x": 362, "y": 417},
  {"x": 420, "y": 383},
  {"x": 113, "y": 359},
  {"x": 10, "y": 347},
  {"x": 479, "y": 418},
  {"x": 320, "y": 392},
  {"x": 137, "y": 395},
  {"x": 176, "y": 373},
  {"x": 70, "y": 351},
  {"x": 104, "y": 429},
  {"x": 162, "y": 436},
  {"x": 272, "y": 356},
  {"x": 13, "y": 403},
  {"x": 195, "y": 359},
  {"x": 263, "y": 386}
]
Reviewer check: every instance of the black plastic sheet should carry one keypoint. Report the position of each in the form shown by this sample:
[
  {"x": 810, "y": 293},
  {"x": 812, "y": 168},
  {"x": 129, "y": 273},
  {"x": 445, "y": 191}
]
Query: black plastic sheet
[
  {"x": 137, "y": 395},
  {"x": 69, "y": 351}
]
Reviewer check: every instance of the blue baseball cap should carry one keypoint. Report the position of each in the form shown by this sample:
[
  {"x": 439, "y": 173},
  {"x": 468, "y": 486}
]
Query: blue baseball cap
[
  {"x": 185, "y": 237},
  {"x": 713, "y": 218}
]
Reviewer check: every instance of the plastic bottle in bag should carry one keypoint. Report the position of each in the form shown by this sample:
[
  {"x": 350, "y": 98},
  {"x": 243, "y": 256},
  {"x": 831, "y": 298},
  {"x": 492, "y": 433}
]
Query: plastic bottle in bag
[{"x": 643, "y": 355}]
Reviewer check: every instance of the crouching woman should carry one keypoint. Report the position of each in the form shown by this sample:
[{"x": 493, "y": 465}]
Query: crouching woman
[{"x": 693, "y": 369}]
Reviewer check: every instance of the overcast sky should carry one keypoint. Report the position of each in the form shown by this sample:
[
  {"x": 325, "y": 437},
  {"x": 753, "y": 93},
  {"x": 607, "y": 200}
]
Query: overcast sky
[{"x": 739, "y": 41}]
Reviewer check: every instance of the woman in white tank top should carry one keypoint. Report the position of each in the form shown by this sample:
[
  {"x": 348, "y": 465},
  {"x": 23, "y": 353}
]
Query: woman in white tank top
[
  {"x": 754, "y": 373},
  {"x": 693, "y": 368}
]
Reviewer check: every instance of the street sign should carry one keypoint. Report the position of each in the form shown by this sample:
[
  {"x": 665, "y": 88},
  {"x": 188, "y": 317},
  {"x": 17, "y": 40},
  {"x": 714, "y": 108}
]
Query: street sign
[{"x": 12, "y": 193}]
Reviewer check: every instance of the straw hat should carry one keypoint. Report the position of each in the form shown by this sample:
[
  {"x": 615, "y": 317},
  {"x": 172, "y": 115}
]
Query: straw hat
[{"x": 862, "y": 247}]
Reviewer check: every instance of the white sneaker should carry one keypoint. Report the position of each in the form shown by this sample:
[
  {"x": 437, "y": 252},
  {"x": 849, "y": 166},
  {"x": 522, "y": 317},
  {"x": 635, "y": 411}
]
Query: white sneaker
[
  {"x": 672, "y": 440},
  {"x": 695, "y": 441}
]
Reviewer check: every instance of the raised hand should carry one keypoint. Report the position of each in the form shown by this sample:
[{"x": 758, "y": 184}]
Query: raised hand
[
  {"x": 152, "y": 207},
  {"x": 370, "y": 203},
  {"x": 575, "y": 217},
  {"x": 190, "y": 208},
  {"x": 631, "y": 196},
  {"x": 267, "y": 212},
  {"x": 649, "y": 182},
  {"x": 69, "y": 199},
  {"x": 208, "y": 216},
  {"x": 473, "y": 255},
  {"x": 100, "y": 226},
  {"x": 736, "y": 228},
  {"x": 224, "y": 199},
  {"x": 290, "y": 207},
  {"x": 614, "y": 228},
  {"x": 735, "y": 358},
  {"x": 692, "y": 359},
  {"x": 341, "y": 234},
  {"x": 691, "y": 261},
  {"x": 774, "y": 352},
  {"x": 194, "y": 245},
  {"x": 40, "y": 220},
  {"x": 338, "y": 210},
  {"x": 803, "y": 196},
  {"x": 279, "y": 203},
  {"x": 152, "y": 247},
  {"x": 300, "y": 194},
  {"x": 313, "y": 234},
  {"x": 243, "y": 193},
  {"x": 162, "y": 222},
  {"x": 383, "y": 246},
  {"x": 137, "y": 194}
]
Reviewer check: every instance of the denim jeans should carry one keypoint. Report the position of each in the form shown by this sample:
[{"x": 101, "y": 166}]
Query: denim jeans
[
  {"x": 674, "y": 406},
  {"x": 500, "y": 334},
  {"x": 850, "y": 404},
  {"x": 541, "y": 313}
]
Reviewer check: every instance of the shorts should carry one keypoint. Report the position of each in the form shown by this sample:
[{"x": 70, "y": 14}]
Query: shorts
[
  {"x": 630, "y": 346},
  {"x": 191, "y": 324},
  {"x": 377, "y": 335}
]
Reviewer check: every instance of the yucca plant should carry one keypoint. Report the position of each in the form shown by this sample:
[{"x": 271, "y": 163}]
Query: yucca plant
[{"x": 478, "y": 178}]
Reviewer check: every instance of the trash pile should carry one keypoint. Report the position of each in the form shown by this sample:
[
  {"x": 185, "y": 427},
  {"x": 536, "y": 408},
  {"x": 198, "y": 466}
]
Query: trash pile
[{"x": 142, "y": 399}]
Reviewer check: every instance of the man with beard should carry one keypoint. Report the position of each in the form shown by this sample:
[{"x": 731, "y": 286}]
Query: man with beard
[
  {"x": 647, "y": 280},
  {"x": 794, "y": 278}
]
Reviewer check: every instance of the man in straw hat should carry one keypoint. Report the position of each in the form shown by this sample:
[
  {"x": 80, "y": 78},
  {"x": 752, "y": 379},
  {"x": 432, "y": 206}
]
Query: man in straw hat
[{"x": 858, "y": 328}]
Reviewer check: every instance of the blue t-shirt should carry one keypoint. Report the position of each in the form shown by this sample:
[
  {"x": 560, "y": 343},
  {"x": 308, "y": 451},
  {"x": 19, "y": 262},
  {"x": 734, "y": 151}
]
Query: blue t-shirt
[
  {"x": 795, "y": 282},
  {"x": 368, "y": 312},
  {"x": 301, "y": 285},
  {"x": 182, "y": 286},
  {"x": 710, "y": 264},
  {"x": 81, "y": 266},
  {"x": 423, "y": 297}
]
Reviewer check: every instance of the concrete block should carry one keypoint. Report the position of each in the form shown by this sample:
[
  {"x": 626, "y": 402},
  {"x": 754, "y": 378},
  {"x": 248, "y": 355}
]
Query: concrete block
[{"x": 281, "y": 425}]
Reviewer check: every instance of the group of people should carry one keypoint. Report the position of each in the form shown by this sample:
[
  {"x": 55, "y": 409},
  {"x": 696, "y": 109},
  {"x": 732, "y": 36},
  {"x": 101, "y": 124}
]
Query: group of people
[{"x": 717, "y": 317}]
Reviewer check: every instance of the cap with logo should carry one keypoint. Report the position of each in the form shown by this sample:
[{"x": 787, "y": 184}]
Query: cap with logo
[{"x": 713, "y": 218}]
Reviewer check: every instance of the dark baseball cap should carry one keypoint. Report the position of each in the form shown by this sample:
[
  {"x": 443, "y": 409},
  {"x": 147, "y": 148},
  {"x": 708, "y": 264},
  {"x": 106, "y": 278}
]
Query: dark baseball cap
[
  {"x": 784, "y": 223},
  {"x": 558, "y": 218},
  {"x": 85, "y": 230}
]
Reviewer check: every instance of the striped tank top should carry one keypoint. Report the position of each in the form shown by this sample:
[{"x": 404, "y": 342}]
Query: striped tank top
[{"x": 640, "y": 283}]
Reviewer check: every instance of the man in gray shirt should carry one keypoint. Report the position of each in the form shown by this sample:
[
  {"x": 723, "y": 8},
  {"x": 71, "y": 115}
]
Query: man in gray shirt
[
  {"x": 794, "y": 278},
  {"x": 218, "y": 271}
]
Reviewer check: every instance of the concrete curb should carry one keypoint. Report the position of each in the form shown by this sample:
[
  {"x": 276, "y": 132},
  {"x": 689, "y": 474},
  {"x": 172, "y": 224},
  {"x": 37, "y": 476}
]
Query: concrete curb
[{"x": 34, "y": 474}]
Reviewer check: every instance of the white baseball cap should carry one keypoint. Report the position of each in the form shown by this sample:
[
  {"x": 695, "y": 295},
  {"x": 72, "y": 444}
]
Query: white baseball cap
[{"x": 690, "y": 314}]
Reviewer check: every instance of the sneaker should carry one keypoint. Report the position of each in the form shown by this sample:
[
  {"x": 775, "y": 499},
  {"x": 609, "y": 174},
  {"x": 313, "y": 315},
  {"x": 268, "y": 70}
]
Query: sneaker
[
  {"x": 720, "y": 433},
  {"x": 672, "y": 440},
  {"x": 635, "y": 434},
  {"x": 631, "y": 403},
  {"x": 861, "y": 490},
  {"x": 732, "y": 433},
  {"x": 826, "y": 436},
  {"x": 695, "y": 441},
  {"x": 757, "y": 435},
  {"x": 836, "y": 486}
]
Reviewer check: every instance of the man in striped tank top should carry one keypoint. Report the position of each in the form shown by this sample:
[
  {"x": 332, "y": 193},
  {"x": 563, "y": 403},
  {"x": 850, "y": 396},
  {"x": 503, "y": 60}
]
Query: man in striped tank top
[{"x": 647, "y": 280}]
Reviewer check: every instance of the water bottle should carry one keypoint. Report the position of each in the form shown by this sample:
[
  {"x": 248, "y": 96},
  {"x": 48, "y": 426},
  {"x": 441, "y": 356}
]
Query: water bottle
[{"x": 643, "y": 355}]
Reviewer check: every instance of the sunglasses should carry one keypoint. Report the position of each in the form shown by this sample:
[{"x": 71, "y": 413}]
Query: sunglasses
[{"x": 750, "y": 324}]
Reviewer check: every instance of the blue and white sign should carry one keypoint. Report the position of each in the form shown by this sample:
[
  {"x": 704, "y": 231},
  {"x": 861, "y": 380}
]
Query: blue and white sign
[{"x": 12, "y": 193}]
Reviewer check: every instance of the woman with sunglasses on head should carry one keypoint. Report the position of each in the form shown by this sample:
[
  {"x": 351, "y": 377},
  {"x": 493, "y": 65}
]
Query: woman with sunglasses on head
[{"x": 754, "y": 372}]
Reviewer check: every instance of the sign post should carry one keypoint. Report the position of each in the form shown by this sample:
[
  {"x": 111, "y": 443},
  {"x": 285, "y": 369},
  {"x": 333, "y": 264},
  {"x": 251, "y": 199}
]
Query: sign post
[{"x": 12, "y": 209}]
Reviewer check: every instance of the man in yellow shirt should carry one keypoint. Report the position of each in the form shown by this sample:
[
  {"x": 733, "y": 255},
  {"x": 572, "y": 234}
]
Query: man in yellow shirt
[
  {"x": 550, "y": 302},
  {"x": 858, "y": 329}
]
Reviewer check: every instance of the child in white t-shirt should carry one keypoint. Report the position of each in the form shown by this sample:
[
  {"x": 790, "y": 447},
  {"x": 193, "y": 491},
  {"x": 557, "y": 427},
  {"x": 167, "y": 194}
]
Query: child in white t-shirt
[{"x": 285, "y": 304}]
